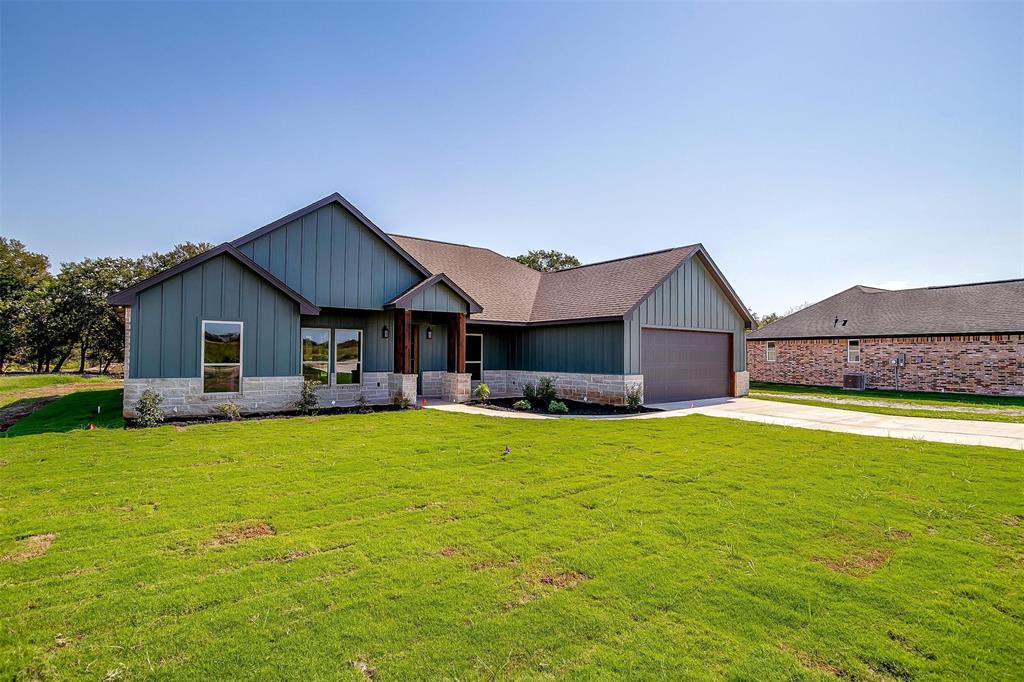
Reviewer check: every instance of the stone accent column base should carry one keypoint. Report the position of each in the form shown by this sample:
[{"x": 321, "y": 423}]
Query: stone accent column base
[
  {"x": 455, "y": 388},
  {"x": 741, "y": 381},
  {"x": 404, "y": 384},
  {"x": 432, "y": 383}
]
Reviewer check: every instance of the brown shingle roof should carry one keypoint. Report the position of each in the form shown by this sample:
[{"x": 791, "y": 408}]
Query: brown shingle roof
[
  {"x": 982, "y": 308},
  {"x": 512, "y": 292},
  {"x": 604, "y": 289},
  {"x": 506, "y": 289}
]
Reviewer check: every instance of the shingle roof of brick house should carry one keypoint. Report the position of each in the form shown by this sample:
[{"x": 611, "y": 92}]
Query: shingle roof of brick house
[
  {"x": 979, "y": 308},
  {"x": 966, "y": 338}
]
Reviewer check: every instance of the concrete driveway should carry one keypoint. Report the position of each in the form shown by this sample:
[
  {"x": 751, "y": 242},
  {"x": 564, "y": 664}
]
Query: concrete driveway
[{"x": 958, "y": 431}]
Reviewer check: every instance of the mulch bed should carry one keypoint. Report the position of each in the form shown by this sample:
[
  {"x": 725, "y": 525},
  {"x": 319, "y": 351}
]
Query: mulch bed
[{"x": 576, "y": 407}]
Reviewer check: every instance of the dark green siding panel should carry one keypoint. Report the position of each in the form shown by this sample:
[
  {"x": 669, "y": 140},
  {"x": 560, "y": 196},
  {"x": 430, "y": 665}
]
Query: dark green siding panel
[
  {"x": 433, "y": 352},
  {"x": 166, "y": 322},
  {"x": 595, "y": 348},
  {"x": 688, "y": 299},
  {"x": 334, "y": 260},
  {"x": 170, "y": 350},
  {"x": 150, "y": 305},
  {"x": 438, "y": 298}
]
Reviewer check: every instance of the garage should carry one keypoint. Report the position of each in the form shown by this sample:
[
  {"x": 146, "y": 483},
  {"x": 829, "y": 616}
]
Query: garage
[{"x": 684, "y": 365}]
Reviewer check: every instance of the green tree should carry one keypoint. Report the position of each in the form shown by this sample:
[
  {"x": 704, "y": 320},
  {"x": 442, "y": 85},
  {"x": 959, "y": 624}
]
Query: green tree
[
  {"x": 548, "y": 261},
  {"x": 21, "y": 271},
  {"x": 152, "y": 263}
]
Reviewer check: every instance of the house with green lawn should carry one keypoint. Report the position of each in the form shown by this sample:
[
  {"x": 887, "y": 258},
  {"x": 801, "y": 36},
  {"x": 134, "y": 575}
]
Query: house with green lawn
[{"x": 324, "y": 294}]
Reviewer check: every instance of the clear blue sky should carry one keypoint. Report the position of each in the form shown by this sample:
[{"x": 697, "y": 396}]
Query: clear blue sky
[{"x": 809, "y": 146}]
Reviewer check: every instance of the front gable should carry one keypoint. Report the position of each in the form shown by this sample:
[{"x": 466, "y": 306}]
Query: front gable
[{"x": 334, "y": 256}]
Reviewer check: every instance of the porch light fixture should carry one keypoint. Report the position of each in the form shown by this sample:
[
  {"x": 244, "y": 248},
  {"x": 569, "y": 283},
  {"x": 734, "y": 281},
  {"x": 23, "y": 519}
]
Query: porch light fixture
[
  {"x": 430, "y": 333},
  {"x": 384, "y": 333}
]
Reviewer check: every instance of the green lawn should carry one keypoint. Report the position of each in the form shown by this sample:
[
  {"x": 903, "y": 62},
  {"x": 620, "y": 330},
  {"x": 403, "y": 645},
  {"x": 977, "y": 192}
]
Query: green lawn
[
  {"x": 897, "y": 402},
  {"x": 74, "y": 411},
  {"x": 20, "y": 382},
  {"x": 408, "y": 546},
  {"x": 15, "y": 387},
  {"x": 931, "y": 399}
]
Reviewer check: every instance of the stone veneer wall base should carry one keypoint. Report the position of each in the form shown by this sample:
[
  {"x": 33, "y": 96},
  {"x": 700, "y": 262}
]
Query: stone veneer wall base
[
  {"x": 184, "y": 397},
  {"x": 606, "y": 389}
]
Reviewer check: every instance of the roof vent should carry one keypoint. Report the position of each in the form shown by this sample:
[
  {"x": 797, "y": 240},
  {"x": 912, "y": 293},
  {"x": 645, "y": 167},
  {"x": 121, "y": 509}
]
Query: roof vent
[
  {"x": 844, "y": 322},
  {"x": 836, "y": 323}
]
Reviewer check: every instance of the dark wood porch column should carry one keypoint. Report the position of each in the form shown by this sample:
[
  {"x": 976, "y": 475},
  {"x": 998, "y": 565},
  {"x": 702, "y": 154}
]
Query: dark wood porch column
[
  {"x": 403, "y": 341},
  {"x": 457, "y": 344}
]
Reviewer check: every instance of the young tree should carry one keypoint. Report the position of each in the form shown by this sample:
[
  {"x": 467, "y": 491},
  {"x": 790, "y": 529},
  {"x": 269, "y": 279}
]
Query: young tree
[{"x": 548, "y": 261}]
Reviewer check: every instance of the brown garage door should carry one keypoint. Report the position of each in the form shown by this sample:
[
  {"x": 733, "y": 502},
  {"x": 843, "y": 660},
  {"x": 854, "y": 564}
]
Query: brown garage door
[{"x": 684, "y": 365}]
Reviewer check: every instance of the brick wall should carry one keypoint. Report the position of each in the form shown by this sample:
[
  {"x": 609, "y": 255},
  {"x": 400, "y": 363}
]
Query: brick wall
[{"x": 992, "y": 365}]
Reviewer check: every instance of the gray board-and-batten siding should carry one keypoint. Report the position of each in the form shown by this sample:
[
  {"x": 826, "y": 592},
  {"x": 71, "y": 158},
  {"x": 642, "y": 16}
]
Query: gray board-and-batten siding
[
  {"x": 689, "y": 298},
  {"x": 333, "y": 260},
  {"x": 166, "y": 320}
]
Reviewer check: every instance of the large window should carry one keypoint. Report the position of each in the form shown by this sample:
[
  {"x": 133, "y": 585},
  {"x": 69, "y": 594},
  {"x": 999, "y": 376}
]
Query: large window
[
  {"x": 347, "y": 355},
  {"x": 475, "y": 356},
  {"x": 222, "y": 357},
  {"x": 853, "y": 350},
  {"x": 770, "y": 352},
  {"x": 347, "y": 358},
  {"x": 316, "y": 354}
]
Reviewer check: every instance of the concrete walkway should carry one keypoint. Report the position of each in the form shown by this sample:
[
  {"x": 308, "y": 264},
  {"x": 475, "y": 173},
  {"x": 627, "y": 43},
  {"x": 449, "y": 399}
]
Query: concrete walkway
[{"x": 957, "y": 431}]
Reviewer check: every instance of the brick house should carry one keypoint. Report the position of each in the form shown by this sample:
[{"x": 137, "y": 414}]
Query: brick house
[{"x": 966, "y": 338}]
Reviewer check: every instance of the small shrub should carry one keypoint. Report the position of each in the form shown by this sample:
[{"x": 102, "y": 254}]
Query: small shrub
[
  {"x": 148, "y": 408},
  {"x": 522, "y": 405},
  {"x": 308, "y": 398},
  {"x": 557, "y": 407},
  {"x": 530, "y": 392},
  {"x": 546, "y": 391},
  {"x": 230, "y": 410},
  {"x": 482, "y": 392},
  {"x": 363, "y": 405},
  {"x": 634, "y": 398},
  {"x": 400, "y": 399}
]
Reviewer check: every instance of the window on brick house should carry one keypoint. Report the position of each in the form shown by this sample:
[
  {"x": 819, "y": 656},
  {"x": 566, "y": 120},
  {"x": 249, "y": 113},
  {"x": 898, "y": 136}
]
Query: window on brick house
[
  {"x": 853, "y": 350},
  {"x": 770, "y": 353}
]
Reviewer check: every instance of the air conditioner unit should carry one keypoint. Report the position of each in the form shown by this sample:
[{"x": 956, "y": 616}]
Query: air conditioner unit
[{"x": 854, "y": 382}]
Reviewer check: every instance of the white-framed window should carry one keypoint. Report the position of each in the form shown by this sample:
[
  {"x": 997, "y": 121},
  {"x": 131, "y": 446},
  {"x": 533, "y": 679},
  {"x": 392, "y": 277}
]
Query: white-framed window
[
  {"x": 475, "y": 356},
  {"x": 853, "y": 350},
  {"x": 222, "y": 356},
  {"x": 348, "y": 356},
  {"x": 316, "y": 354},
  {"x": 770, "y": 354}
]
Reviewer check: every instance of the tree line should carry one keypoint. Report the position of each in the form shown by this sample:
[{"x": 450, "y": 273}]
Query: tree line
[{"x": 47, "y": 320}]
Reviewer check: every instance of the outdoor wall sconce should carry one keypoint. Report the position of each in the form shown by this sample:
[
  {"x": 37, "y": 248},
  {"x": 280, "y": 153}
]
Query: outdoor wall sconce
[
  {"x": 430, "y": 333},
  {"x": 384, "y": 332}
]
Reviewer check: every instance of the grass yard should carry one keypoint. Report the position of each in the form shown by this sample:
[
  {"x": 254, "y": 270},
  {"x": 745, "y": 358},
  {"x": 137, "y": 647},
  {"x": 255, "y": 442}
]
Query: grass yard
[
  {"x": 73, "y": 411},
  {"x": 900, "y": 403},
  {"x": 407, "y": 545},
  {"x": 14, "y": 384}
]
